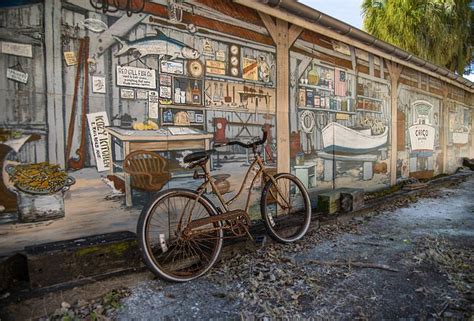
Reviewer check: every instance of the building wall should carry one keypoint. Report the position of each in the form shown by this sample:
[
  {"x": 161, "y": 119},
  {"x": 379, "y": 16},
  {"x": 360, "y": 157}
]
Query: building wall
[{"x": 344, "y": 142}]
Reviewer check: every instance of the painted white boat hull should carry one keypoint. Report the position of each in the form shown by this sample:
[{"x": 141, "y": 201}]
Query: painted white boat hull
[{"x": 342, "y": 139}]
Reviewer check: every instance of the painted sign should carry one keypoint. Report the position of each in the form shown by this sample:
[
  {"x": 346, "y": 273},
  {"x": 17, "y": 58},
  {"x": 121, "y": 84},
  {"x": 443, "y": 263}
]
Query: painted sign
[
  {"x": 127, "y": 93},
  {"x": 17, "y": 75},
  {"x": 153, "y": 104},
  {"x": 17, "y": 49},
  {"x": 100, "y": 139},
  {"x": 98, "y": 84},
  {"x": 172, "y": 67},
  {"x": 70, "y": 58},
  {"x": 142, "y": 94},
  {"x": 136, "y": 77},
  {"x": 422, "y": 137}
]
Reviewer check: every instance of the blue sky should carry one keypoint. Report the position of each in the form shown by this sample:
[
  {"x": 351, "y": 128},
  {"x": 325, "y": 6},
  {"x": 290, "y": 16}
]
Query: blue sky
[
  {"x": 348, "y": 11},
  {"x": 345, "y": 10}
]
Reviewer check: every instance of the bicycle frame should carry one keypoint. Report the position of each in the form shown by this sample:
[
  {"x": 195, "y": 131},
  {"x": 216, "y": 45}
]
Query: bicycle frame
[
  {"x": 262, "y": 171},
  {"x": 209, "y": 181}
]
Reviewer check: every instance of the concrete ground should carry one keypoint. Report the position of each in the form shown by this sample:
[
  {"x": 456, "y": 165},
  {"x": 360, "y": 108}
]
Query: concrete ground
[
  {"x": 411, "y": 262},
  {"x": 412, "y": 259}
]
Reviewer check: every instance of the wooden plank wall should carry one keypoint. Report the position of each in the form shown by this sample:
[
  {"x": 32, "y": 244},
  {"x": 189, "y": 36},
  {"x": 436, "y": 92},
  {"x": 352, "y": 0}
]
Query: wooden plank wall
[{"x": 23, "y": 105}]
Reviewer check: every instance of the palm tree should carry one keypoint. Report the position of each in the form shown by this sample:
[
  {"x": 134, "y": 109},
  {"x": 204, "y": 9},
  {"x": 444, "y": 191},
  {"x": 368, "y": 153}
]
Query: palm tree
[{"x": 440, "y": 31}]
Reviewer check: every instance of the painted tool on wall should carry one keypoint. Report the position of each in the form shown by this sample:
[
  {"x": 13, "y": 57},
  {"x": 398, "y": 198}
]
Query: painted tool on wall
[
  {"x": 79, "y": 162},
  {"x": 160, "y": 45},
  {"x": 227, "y": 98},
  {"x": 72, "y": 120}
]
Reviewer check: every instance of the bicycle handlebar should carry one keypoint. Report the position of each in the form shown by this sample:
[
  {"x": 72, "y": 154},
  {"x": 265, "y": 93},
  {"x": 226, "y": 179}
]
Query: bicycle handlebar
[{"x": 248, "y": 145}]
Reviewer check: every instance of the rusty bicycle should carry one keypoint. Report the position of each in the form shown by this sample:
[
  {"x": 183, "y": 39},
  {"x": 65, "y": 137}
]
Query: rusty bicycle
[{"x": 180, "y": 231}]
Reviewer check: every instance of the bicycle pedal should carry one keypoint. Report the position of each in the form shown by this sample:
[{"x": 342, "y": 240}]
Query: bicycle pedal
[{"x": 260, "y": 240}]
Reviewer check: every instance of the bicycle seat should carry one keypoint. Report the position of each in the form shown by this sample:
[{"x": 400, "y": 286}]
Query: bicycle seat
[{"x": 198, "y": 157}]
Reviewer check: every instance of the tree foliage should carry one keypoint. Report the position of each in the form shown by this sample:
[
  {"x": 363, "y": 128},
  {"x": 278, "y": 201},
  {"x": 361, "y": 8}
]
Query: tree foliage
[{"x": 440, "y": 31}]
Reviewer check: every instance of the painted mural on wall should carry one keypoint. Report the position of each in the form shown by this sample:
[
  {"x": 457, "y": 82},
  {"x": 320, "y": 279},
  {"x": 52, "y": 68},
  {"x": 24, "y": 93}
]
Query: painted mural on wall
[
  {"x": 340, "y": 130},
  {"x": 419, "y": 152},
  {"x": 459, "y": 135},
  {"x": 158, "y": 88}
]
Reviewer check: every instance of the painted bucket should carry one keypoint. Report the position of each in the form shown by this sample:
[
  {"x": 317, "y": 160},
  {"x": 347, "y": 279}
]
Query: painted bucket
[{"x": 36, "y": 207}]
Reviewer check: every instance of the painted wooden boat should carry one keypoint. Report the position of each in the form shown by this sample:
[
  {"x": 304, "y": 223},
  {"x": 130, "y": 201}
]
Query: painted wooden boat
[{"x": 342, "y": 139}]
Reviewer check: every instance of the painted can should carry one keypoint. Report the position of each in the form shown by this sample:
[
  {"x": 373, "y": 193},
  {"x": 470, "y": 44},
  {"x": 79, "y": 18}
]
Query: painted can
[
  {"x": 300, "y": 159},
  {"x": 35, "y": 208}
]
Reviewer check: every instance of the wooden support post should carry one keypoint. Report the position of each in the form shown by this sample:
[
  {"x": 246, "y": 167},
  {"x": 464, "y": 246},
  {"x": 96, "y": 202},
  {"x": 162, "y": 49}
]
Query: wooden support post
[
  {"x": 394, "y": 70},
  {"x": 284, "y": 38},
  {"x": 54, "y": 85},
  {"x": 443, "y": 134}
]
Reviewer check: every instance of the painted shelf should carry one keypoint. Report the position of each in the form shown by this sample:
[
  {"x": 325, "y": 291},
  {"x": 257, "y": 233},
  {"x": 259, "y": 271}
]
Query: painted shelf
[
  {"x": 191, "y": 124},
  {"x": 190, "y": 107},
  {"x": 239, "y": 80},
  {"x": 316, "y": 87},
  {"x": 369, "y": 111},
  {"x": 328, "y": 110},
  {"x": 370, "y": 98}
]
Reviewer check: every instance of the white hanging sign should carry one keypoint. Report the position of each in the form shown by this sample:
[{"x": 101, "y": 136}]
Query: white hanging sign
[
  {"x": 422, "y": 137},
  {"x": 98, "y": 84},
  {"x": 17, "y": 49},
  {"x": 17, "y": 75},
  {"x": 136, "y": 77},
  {"x": 100, "y": 139}
]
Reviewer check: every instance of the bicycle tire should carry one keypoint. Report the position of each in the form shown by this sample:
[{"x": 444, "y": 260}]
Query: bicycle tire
[
  {"x": 278, "y": 226},
  {"x": 159, "y": 265}
]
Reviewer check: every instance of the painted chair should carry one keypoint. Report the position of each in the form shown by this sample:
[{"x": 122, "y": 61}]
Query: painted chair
[{"x": 148, "y": 170}]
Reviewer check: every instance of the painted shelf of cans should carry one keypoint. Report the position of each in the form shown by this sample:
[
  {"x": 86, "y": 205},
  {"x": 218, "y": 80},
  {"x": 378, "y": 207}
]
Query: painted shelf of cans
[
  {"x": 369, "y": 111},
  {"x": 182, "y": 116},
  {"x": 316, "y": 87},
  {"x": 328, "y": 110},
  {"x": 369, "y": 96},
  {"x": 239, "y": 80},
  {"x": 180, "y": 95}
]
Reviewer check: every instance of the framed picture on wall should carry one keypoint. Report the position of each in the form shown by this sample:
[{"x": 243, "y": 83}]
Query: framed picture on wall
[{"x": 172, "y": 67}]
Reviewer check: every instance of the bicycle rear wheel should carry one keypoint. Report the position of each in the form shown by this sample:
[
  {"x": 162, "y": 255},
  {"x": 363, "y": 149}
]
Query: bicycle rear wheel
[
  {"x": 165, "y": 249},
  {"x": 286, "y": 214}
]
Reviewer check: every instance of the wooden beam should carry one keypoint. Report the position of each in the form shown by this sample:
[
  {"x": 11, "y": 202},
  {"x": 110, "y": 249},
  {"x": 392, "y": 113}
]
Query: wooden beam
[
  {"x": 293, "y": 34},
  {"x": 120, "y": 28},
  {"x": 294, "y": 19},
  {"x": 394, "y": 71},
  {"x": 280, "y": 34},
  {"x": 269, "y": 24},
  {"x": 54, "y": 83},
  {"x": 443, "y": 128}
]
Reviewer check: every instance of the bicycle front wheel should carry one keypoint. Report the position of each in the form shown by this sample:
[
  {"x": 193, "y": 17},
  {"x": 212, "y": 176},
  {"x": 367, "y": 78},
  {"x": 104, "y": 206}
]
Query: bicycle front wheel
[
  {"x": 166, "y": 250},
  {"x": 286, "y": 208}
]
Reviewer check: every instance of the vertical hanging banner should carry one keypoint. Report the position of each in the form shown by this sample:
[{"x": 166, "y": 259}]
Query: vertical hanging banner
[{"x": 100, "y": 139}]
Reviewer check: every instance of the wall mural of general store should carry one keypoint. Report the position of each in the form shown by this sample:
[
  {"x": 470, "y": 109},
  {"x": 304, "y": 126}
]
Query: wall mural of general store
[
  {"x": 108, "y": 88},
  {"x": 340, "y": 125}
]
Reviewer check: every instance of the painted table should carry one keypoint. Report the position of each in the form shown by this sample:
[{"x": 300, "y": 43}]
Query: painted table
[{"x": 159, "y": 141}]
